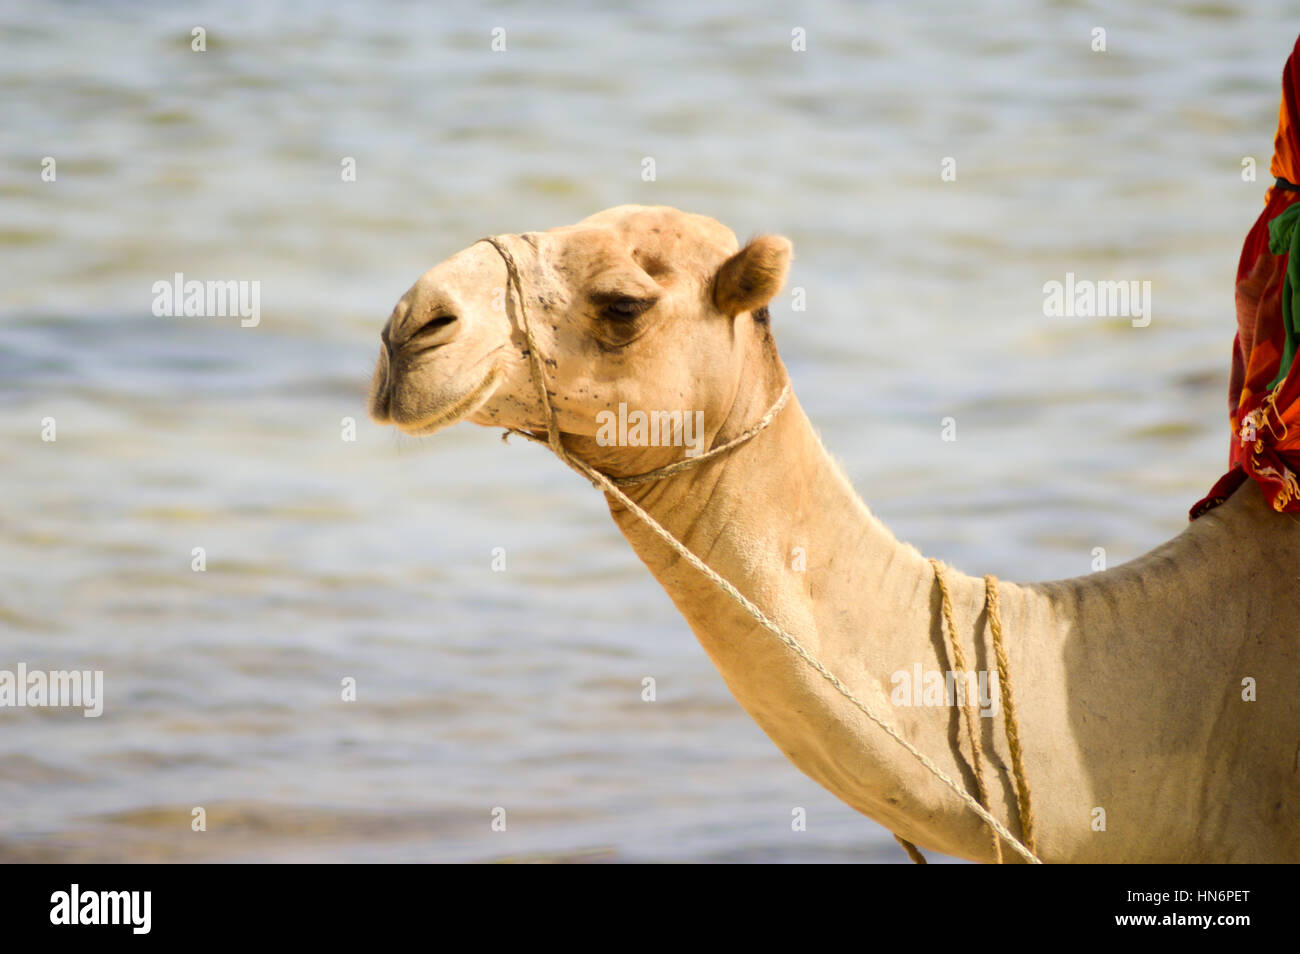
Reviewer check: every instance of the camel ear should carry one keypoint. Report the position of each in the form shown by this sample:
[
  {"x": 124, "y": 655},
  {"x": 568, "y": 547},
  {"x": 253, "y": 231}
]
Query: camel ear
[{"x": 752, "y": 277}]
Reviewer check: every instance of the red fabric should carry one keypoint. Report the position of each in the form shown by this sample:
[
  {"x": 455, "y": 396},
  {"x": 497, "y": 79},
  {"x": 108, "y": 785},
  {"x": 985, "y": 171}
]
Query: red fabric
[{"x": 1267, "y": 448}]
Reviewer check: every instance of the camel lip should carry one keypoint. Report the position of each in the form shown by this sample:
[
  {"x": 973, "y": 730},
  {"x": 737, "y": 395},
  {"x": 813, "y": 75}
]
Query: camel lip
[{"x": 457, "y": 410}]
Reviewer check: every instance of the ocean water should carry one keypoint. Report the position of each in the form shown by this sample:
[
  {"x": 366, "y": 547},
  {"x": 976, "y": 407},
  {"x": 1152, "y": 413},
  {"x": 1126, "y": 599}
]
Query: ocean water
[{"x": 371, "y": 559}]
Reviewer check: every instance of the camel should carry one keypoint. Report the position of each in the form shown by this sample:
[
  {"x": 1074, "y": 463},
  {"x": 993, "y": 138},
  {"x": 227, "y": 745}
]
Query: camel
[{"x": 1158, "y": 711}]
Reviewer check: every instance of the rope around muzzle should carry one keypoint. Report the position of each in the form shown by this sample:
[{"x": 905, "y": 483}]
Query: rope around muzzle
[{"x": 610, "y": 485}]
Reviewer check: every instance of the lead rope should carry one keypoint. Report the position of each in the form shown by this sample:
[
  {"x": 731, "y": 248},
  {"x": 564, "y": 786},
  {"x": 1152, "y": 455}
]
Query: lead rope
[{"x": 609, "y": 486}]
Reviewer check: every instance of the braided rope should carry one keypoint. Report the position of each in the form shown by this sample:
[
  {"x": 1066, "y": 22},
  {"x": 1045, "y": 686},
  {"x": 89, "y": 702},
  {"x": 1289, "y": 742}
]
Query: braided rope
[
  {"x": 1011, "y": 723},
  {"x": 604, "y": 482},
  {"x": 534, "y": 353},
  {"x": 968, "y": 704}
]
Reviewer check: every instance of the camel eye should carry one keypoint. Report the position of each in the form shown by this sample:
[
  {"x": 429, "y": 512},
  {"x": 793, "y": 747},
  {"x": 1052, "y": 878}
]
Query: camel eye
[{"x": 625, "y": 309}]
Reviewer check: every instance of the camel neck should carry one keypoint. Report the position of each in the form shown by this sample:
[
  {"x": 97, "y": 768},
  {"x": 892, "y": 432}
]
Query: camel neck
[
  {"x": 1096, "y": 660},
  {"x": 1165, "y": 640},
  {"x": 779, "y": 520}
]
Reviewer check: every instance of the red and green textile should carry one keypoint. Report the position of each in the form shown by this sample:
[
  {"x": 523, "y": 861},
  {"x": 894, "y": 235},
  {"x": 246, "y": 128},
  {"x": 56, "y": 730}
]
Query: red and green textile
[{"x": 1265, "y": 382}]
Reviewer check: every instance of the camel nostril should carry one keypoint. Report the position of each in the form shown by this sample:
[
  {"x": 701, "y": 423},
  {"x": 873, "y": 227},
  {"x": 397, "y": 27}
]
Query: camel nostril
[
  {"x": 437, "y": 324},
  {"x": 435, "y": 333}
]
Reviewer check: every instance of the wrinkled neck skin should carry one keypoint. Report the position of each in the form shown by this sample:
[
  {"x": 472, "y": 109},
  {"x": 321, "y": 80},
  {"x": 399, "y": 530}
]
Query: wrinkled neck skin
[{"x": 1128, "y": 683}]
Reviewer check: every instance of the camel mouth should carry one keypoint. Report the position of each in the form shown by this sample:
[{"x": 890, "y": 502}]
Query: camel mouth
[{"x": 457, "y": 410}]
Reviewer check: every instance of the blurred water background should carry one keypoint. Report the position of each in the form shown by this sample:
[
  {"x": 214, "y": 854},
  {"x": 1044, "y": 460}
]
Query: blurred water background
[{"x": 371, "y": 559}]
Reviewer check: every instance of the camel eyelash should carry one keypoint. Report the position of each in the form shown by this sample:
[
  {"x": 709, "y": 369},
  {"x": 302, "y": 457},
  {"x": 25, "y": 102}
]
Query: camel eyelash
[{"x": 623, "y": 307}]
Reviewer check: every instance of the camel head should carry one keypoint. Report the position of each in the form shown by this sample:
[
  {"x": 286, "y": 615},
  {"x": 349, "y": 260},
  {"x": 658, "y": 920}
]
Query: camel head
[{"x": 649, "y": 307}]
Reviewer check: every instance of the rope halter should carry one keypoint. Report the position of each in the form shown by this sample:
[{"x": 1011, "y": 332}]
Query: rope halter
[{"x": 552, "y": 424}]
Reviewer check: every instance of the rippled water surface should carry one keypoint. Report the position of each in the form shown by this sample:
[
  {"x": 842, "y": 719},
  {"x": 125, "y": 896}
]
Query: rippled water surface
[{"x": 371, "y": 559}]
